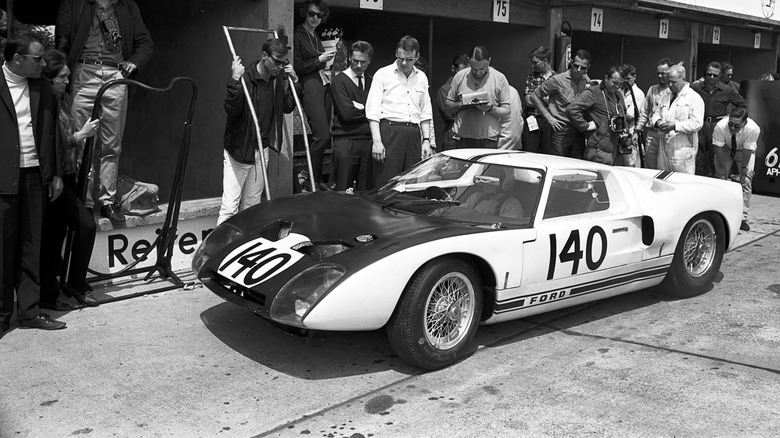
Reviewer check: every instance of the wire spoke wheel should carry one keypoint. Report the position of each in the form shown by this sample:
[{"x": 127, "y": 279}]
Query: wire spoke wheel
[
  {"x": 700, "y": 247},
  {"x": 697, "y": 257},
  {"x": 438, "y": 314},
  {"x": 449, "y": 311}
]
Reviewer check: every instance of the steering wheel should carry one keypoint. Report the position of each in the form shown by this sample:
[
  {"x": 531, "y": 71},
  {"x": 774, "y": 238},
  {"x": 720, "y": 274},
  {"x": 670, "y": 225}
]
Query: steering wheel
[{"x": 437, "y": 193}]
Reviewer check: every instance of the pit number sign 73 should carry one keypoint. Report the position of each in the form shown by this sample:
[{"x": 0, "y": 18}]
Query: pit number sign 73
[{"x": 501, "y": 11}]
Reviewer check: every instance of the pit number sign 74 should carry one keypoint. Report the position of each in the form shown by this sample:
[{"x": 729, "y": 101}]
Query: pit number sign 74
[{"x": 501, "y": 11}]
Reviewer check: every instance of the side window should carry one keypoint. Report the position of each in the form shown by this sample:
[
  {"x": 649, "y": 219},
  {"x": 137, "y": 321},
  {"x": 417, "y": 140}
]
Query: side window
[{"x": 577, "y": 192}]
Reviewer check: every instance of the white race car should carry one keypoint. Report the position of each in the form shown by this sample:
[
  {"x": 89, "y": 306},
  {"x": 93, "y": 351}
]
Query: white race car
[{"x": 469, "y": 237}]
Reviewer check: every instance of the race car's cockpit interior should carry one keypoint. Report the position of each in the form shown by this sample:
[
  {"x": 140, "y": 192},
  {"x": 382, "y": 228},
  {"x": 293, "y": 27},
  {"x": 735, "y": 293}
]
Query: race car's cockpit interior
[
  {"x": 461, "y": 190},
  {"x": 576, "y": 192}
]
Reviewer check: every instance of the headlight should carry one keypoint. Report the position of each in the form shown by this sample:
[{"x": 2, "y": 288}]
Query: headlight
[
  {"x": 217, "y": 239},
  {"x": 301, "y": 293}
]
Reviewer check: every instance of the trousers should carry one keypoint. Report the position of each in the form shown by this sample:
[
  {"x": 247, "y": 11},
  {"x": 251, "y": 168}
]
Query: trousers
[
  {"x": 66, "y": 212},
  {"x": 87, "y": 80},
  {"x": 746, "y": 161},
  {"x": 242, "y": 184},
  {"x": 21, "y": 224},
  {"x": 317, "y": 105},
  {"x": 352, "y": 163}
]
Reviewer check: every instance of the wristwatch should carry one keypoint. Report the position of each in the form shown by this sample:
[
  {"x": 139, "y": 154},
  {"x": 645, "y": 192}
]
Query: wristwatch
[{"x": 426, "y": 139}]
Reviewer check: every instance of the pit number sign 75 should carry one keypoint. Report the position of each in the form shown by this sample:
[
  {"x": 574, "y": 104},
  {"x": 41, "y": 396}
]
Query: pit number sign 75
[{"x": 501, "y": 11}]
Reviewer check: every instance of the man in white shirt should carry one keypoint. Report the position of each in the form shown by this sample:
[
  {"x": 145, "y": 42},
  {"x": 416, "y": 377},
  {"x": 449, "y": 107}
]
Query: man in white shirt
[
  {"x": 735, "y": 140},
  {"x": 28, "y": 124},
  {"x": 398, "y": 109},
  {"x": 679, "y": 116}
]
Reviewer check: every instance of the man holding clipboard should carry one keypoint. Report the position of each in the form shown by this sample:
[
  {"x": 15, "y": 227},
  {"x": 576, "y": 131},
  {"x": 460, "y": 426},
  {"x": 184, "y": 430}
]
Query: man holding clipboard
[{"x": 480, "y": 97}]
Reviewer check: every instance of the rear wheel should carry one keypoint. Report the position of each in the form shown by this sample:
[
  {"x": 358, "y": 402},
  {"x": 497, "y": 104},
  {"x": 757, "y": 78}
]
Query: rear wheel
[
  {"x": 437, "y": 315},
  {"x": 698, "y": 256}
]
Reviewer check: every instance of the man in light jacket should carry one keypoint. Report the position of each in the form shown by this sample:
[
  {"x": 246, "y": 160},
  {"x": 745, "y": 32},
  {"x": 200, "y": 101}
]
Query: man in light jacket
[{"x": 679, "y": 117}]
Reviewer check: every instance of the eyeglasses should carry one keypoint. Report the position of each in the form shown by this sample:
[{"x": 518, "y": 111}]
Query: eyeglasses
[
  {"x": 728, "y": 75},
  {"x": 359, "y": 62},
  {"x": 278, "y": 62},
  {"x": 35, "y": 58},
  {"x": 407, "y": 60},
  {"x": 674, "y": 81},
  {"x": 579, "y": 67},
  {"x": 713, "y": 75},
  {"x": 313, "y": 14},
  {"x": 735, "y": 125}
]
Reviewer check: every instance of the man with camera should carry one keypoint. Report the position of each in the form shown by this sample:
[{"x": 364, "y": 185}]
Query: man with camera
[
  {"x": 600, "y": 113},
  {"x": 104, "y": 40}
]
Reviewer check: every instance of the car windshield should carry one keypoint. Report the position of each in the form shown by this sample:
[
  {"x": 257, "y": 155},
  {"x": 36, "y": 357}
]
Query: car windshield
[{"x": 465, "y": 191}]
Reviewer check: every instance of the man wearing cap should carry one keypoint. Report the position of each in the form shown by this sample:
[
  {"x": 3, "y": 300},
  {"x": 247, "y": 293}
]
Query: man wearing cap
[{"x": 480, "y": 97}]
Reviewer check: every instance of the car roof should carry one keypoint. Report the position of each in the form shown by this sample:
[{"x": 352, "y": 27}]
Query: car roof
[{"x": 524, "y": 159}]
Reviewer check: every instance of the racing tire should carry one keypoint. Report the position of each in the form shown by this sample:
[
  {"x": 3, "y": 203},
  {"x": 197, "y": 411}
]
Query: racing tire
[
  {"x": 438, "y": 314},
  {"x": 697, "y": 257}
]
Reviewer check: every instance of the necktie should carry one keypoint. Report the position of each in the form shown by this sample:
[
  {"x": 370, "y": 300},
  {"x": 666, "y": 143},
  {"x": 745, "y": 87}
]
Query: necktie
[
  {"x": 674, "y": 96},
  {"x": 733, "y": 145},
  {"x": 360, "y": 82}
]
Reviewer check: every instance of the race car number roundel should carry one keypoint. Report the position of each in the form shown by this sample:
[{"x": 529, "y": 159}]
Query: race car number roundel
[{"x": 260, "y": 259}]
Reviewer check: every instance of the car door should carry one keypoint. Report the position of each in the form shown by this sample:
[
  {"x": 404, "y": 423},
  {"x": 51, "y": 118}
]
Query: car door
[{"x": 588, "y": 240}]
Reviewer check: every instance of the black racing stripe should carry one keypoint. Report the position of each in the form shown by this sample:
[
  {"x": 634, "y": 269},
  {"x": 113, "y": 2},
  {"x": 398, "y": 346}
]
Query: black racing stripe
[
  {"x": 663, "y": 175},
  {"x": 566, "y": 297},
  {"x": 583, "y": 289},
  {"x": 634, "y": 276}
]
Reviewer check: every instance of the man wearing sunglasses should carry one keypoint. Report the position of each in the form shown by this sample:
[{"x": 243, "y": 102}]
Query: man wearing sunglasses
[
  {"x": 736, "y": 139},
  {"x": 398, "y": 109},
  {"x": 242, "y": 178},
  {"x": 560, "y": 91},
  {"x": 717, "y": 97},
  {"x": 28, "y": 178}
]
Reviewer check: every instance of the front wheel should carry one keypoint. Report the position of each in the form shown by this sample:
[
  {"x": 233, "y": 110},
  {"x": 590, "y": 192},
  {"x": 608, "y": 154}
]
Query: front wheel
[
  {"x": 698, "y": 256},
  {"x": 437, "y": 315}
]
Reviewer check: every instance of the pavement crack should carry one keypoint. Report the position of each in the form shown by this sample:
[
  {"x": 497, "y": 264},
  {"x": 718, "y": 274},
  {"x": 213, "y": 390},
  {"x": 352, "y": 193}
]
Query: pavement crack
[
  {"x": 327, "y": 409},
  {"x": 657, "y": 347}
]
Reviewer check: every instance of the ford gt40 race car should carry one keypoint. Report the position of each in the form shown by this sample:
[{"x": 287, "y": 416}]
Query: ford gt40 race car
[{"x": 469, "y": 237}]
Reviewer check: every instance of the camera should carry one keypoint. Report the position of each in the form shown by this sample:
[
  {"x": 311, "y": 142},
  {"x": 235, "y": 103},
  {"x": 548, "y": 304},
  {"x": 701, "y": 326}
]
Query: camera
[
  {"x": 618, "y": 125},
  {"x": 111, "y": 35}
]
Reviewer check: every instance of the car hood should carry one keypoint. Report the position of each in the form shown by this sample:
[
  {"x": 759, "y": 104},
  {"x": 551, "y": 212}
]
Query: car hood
[{"x": 334, "y": 217}]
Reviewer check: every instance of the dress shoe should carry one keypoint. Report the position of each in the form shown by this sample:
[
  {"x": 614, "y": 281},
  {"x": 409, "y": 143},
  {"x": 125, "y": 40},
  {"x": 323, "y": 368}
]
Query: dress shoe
[
  {"x": 112, "y": 212},
  {"x": 744, "y": 226},
  {"x": 85, "y": 298},
  {"x": 43, "y": 322},
  {"x": 59, "y": 306}
]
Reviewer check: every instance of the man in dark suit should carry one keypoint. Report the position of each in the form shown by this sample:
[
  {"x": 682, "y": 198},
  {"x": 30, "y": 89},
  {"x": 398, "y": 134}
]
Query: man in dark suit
[
  {"x": 28, "y": 123},
  {"x": 351, "y": 133}
]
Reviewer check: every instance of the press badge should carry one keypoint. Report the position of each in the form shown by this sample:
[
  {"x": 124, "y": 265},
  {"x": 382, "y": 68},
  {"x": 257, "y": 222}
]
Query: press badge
[{"x": 531, "y": 123}]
